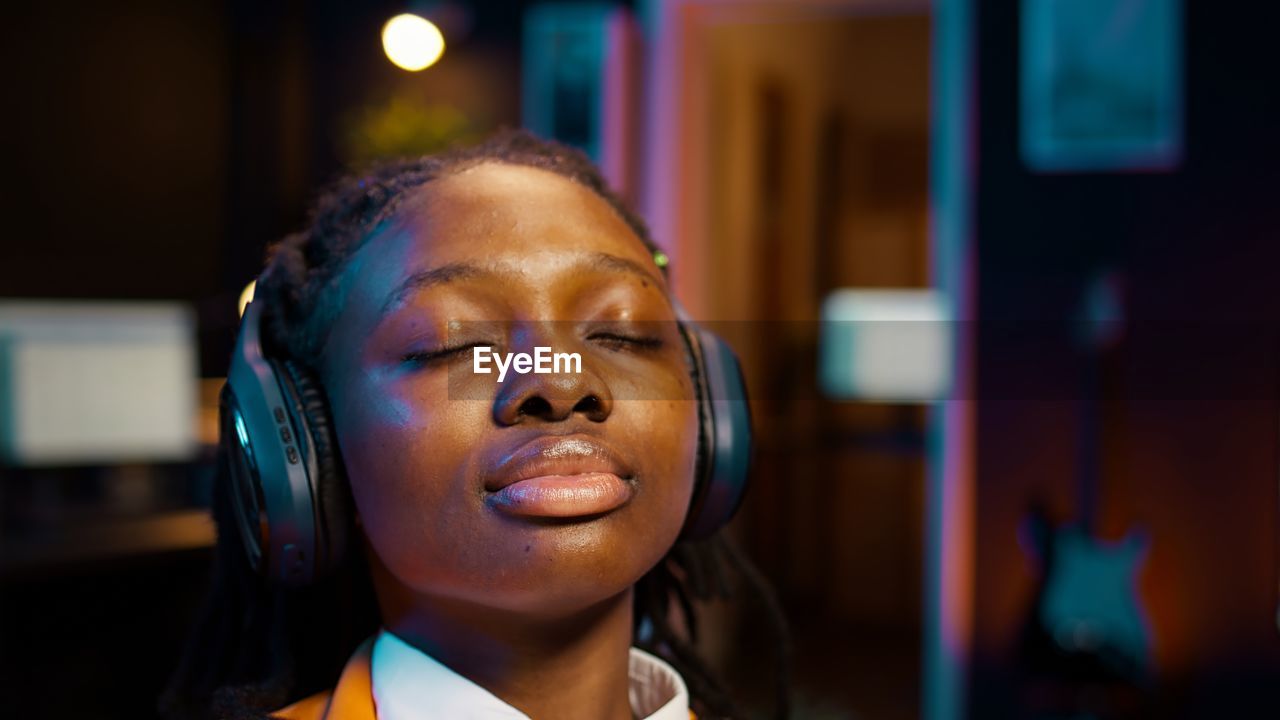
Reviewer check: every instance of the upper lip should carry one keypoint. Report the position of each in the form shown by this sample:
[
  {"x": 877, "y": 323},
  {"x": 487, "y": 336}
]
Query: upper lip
[{"x": 556, "y": 455}]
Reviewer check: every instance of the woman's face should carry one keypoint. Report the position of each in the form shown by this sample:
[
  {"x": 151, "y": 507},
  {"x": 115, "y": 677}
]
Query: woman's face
[{"x": 544, "y": 493}]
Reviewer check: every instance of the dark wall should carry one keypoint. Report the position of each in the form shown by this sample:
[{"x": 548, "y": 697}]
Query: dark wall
[
  {"x": 152, "y": 150},
  {"x": 115, "y": 146},
  {"x": 1189, "y": 446},
  {"x": 97, "y": 640}
]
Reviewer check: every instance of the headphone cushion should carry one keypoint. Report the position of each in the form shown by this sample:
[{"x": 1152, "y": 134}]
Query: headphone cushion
[
  {"x": 701, "y": 458},
  {"x": 331, "y": 492},
  {"x": 725, "y": 445}
]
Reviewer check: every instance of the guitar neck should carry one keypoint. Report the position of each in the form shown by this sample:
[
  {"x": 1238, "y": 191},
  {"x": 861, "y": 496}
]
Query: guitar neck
[
  {"x": 1089, "y": 443},
  {"x": 1101, "y": 318}
]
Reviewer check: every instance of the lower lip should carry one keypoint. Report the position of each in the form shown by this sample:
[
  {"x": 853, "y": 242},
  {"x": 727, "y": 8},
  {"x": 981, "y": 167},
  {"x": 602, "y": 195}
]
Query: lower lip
[{"x": 563, "y": 496}]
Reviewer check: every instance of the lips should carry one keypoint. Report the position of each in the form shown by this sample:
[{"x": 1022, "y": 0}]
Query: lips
[{"x": 560, "y": 477}]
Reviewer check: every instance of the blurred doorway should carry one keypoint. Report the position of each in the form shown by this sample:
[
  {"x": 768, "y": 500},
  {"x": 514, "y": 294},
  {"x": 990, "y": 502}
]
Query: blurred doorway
[{"x": 802, "y": 155}]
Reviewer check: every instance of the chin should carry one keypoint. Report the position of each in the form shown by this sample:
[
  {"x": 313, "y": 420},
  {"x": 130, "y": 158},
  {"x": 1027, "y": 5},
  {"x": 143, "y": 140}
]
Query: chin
[{"x": 563, "y": 569}]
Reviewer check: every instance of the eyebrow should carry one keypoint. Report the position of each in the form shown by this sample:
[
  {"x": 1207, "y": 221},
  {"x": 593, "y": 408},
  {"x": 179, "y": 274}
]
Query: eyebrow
[
  {"x": 612, "y": 263},
  {"x": 453, "y": 272},
  {"x": 424, "y": 279}
]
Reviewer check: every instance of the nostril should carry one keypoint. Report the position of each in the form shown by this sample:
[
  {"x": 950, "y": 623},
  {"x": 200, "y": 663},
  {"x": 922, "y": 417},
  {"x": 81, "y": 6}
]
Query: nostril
[
  {"x": 536, "y": 406},
  {"x": 589, "y": 404}
]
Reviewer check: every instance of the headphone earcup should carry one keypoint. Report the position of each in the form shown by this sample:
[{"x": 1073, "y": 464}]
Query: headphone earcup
[
  {"x": 724, "y": 443},
  {"x": 331, "y": 494}
]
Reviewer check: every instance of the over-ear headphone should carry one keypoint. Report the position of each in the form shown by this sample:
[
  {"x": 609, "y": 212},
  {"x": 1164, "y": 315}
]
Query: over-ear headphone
[{"x": 289, "y": 489}]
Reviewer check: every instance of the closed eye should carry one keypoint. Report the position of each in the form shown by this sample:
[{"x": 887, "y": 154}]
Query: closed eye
[
  {"x": 425, "y": 357},
  {"x": 620, "y": 340}
]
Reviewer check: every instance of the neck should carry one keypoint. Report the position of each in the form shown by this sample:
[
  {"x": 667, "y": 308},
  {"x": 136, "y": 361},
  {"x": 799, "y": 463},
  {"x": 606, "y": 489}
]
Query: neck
[{"x": 568, "y": 666}]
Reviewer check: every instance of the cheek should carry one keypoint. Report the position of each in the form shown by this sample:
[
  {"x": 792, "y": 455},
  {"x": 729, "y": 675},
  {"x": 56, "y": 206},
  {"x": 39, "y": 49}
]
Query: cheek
[
  {"x": 667, "y": 443},
  {"x": 406, "y": 458},
  {"x": 680, "y": 418}
]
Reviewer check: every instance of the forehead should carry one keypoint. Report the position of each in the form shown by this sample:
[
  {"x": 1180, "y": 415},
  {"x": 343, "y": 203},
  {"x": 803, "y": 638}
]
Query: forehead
[
  {"x": 496, "y": 210},
  {"x": 523, "y": 219}
]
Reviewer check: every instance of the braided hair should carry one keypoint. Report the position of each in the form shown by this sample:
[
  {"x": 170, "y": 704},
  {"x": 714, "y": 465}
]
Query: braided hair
[{"x": 253, "y": 648}]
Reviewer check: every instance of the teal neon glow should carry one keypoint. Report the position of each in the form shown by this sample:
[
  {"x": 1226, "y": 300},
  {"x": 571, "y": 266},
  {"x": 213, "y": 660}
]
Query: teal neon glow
[
  {"x": 241, "y": 431},
  {"x": 951, "y": 174}
]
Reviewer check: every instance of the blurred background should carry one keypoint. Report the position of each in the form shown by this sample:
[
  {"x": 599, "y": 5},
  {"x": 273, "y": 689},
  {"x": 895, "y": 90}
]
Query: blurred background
[{"x": 1003, "y": 277}]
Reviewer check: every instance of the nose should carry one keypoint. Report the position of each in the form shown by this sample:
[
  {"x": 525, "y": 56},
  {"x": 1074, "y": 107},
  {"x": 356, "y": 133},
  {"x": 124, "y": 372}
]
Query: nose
[{"x": 551, "y": 397}]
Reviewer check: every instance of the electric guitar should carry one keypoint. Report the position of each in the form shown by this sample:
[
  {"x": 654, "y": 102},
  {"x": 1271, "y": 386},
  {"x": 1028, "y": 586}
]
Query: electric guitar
[{"x": 1088, "y": 626}]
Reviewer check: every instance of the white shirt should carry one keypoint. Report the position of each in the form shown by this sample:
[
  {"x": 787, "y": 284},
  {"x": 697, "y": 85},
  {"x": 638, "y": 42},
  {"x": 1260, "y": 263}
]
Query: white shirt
[{"x": 409, "y": 684}]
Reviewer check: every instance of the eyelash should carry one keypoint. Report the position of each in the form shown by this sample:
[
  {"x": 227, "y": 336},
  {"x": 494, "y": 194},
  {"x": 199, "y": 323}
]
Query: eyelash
[
  {"x": 646, "y": 343},
  {"x": 430, "y": 356}
]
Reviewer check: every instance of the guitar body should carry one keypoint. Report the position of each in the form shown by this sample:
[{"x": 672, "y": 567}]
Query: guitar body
[{"x": 1088, "y": 609}]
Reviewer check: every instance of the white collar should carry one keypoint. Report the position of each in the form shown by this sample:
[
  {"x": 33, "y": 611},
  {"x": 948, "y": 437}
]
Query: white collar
[{"x": 409, "y": 684}]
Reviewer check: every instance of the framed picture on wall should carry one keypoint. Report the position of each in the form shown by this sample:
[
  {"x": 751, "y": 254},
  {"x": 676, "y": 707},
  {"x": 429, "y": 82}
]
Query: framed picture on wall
[
  {"x": 1101, "y": 85},
  {"x": 563, "y": 67}
]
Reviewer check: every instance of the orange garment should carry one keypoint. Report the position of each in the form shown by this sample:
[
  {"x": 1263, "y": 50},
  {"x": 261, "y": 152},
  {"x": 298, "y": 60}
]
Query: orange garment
[{"x": 350, "y": 699}]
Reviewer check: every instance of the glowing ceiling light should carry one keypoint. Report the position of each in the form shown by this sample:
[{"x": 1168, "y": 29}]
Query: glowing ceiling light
[{"x": 412, "y": 42}]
